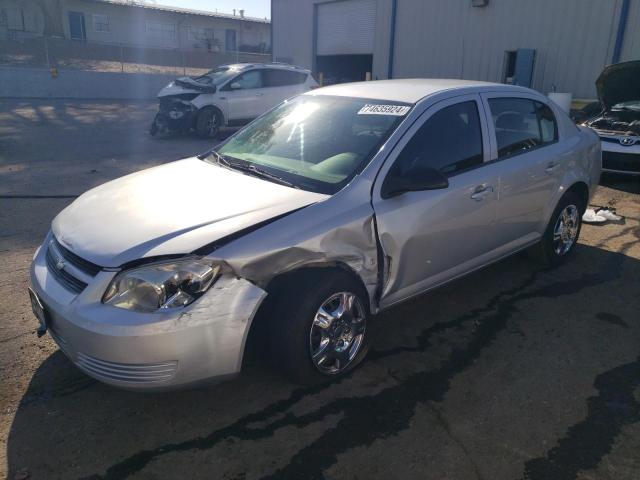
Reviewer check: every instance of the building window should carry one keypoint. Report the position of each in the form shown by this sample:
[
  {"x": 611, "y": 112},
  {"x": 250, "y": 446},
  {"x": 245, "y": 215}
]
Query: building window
[
  {"x": 161, "y": 33},
  {"x": 12, "y": 18},
  {"x": 230, "y": 40},
  {"x": 101, "y": 23},
  {"x": 199, "y": 34}
]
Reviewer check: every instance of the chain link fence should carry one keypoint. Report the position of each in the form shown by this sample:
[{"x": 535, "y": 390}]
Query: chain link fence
[{"x": 60, "y": 53}]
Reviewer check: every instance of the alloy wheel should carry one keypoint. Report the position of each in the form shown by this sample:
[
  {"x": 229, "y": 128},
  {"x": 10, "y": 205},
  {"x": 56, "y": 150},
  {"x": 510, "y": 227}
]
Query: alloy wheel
[
  {"x": 337, "y": 333},
  {"x": 565, "y": 231}
]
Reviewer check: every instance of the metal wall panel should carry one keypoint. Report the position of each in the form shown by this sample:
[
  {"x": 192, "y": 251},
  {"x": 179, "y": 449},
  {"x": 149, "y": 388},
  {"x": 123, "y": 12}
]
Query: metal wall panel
[
  {"x": 573, "y": 40},
  {"x": 346, "y": 28},
  {"x": 631, "y": 46},
  {"x": 292, "y": 24}
]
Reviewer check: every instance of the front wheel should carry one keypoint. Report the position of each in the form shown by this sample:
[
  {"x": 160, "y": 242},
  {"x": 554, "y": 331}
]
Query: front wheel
[
  {"x": 563, "y": 230},
  {"x": 319, "y": 329},
  {"x": 208, "y": 122}
]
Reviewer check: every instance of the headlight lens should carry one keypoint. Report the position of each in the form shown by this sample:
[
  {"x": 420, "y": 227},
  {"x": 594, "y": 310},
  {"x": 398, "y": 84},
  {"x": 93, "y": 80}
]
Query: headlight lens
[{"x": 161, "y": 286}]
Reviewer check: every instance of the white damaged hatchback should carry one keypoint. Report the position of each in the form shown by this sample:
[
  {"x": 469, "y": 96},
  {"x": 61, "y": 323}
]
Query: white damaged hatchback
[{"x": 331, "y": 207}]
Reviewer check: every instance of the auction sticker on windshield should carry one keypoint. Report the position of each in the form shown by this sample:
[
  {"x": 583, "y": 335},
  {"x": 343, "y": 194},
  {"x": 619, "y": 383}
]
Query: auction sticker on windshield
[{"x": 397, "y": 110}]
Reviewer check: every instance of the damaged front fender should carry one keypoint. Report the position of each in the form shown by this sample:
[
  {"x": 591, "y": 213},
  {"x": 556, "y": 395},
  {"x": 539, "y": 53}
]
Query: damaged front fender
[{"x": 340, "y": 231}]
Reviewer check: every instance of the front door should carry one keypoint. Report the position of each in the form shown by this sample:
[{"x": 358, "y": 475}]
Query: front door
[
  {"x": 532, "y": 164},
  {"x": 246, "y": 97},
  {"x": 77, "y": 29},
  {"x": 429, "y": 237}
]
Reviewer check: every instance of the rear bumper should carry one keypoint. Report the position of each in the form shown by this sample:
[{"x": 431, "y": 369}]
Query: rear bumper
[{"x": 201, "y": 342}]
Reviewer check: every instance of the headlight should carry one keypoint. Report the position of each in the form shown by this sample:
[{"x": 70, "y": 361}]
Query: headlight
[
  {"x": 161, "y": 286},
  {"x": 170, "y": 84}
]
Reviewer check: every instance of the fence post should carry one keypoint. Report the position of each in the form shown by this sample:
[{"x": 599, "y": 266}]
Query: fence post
[
  {"x": 122, "y": 58},
  {"x": 46, "y": 52},
  {"x": 184, "y": 68}
]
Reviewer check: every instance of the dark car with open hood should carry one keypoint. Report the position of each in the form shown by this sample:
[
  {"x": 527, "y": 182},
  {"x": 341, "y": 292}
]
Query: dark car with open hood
[{"x": 618, "y": 121}]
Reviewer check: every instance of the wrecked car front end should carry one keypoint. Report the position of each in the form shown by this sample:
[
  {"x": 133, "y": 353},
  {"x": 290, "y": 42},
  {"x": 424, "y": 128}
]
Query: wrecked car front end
[
  {"x": 176, "y": 114},
  {"x": 176, "y": 111},
  {"x": 618, "y": 124},
  {"x": 146, "y": 351}
]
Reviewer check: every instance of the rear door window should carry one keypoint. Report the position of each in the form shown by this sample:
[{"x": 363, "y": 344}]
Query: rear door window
[
  {"x": 281, "y": 78},
  {"x": 521, "y": 125},
  {"x": 450, "y": 141}
]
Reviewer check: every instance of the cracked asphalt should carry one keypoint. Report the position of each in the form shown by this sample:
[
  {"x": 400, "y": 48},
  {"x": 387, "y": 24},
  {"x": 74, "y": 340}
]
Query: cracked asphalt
[{"x": 514, "y": 372}]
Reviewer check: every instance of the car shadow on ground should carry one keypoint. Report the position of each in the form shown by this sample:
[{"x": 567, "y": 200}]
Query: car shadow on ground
[{"x": 514, "y": 370}]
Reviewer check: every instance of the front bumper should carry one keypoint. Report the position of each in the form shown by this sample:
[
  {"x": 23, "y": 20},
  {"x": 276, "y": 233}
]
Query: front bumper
[
  {"x": 157, "y": 351},
  {"x": 617, "y": 158},
  {"x": 176, "y": 115}
]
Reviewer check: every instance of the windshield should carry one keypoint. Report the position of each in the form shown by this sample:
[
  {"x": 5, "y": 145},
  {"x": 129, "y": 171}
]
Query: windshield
[
  {"x": 316, "y": 143},
  {"x": 217, "y": 76}
]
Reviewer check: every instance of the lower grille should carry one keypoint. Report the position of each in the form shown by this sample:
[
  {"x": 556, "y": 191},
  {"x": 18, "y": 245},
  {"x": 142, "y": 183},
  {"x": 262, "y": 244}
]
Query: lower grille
[
  {"x": 625, "y": 162},
  {"x": 127, "y": 372}
]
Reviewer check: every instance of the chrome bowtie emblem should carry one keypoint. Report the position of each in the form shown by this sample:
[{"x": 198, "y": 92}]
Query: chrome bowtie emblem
[
  {"x": 58, "y": 260},
  {"x": 627, "y": 141}
]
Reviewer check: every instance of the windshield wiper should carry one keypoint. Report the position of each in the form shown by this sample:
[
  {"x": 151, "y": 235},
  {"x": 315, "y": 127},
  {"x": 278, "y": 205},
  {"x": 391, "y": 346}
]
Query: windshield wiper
[{"x": 251, "y": 169}]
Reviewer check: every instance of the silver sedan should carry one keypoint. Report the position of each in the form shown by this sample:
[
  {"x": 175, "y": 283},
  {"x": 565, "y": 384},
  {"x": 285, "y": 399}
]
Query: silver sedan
[{"x": 328, "y": 209}]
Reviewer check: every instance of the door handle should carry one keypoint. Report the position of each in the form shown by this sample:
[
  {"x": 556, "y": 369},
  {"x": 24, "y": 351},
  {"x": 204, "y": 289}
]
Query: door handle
[
  {"x": 481, "y": 192},
  {"x": 551, "y": 166},
  {"x": 259, "y": 94}
]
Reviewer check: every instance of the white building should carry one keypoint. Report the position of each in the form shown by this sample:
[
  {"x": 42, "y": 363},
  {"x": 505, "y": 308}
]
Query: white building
[
  {"x": 545, "y": 44},
  {"x": 126, "y": 22}
]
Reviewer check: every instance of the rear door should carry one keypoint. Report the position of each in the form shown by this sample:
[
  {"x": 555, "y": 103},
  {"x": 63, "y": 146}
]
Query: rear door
[
  {"x": 281, "y": 84},
  {"x": 531, "y": 160},
  {"x": 245, "y": 96},
  {"x": 432, "y": 236}
]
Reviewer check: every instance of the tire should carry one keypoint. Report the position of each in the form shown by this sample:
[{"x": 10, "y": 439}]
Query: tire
[
  {"x": 209, "y": 122},
  {"x": 298, "y": 330},
  {"x": 560, "y": 236}
]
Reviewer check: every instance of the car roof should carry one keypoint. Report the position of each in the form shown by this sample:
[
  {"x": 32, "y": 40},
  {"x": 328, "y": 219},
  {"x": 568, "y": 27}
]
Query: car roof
[{"x": 409, "y": 90}]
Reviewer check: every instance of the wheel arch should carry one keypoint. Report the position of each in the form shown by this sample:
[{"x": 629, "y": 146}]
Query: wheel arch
[
  {"x": 259, "y": 329},
  {"x": 581, "y": 189},
  {"x": 215, "y": 108}
]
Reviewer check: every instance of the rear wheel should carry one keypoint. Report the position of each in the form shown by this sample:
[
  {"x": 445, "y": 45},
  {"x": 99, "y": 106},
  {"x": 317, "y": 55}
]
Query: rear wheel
[
  {"x": 563, "y": 230},
  {"x": 208, "y": 122},
  {"x": 319, "y": 329}
]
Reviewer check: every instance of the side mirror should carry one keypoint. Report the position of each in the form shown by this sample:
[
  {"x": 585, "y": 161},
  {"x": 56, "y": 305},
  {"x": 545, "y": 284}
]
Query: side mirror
[
  {"x": 415, "y": 179},
  {"x": 235, "y": 86}
]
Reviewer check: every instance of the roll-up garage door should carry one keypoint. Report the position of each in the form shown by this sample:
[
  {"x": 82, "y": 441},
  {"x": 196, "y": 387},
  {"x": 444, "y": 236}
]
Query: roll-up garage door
[{"x": 346, "y": 27}]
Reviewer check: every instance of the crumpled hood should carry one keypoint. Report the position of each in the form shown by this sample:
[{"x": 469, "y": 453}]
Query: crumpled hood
[
  {"x": 619, "y": 83},
  {"x": 186, "y": 85},
  {"x": 175, "y": 208}
]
